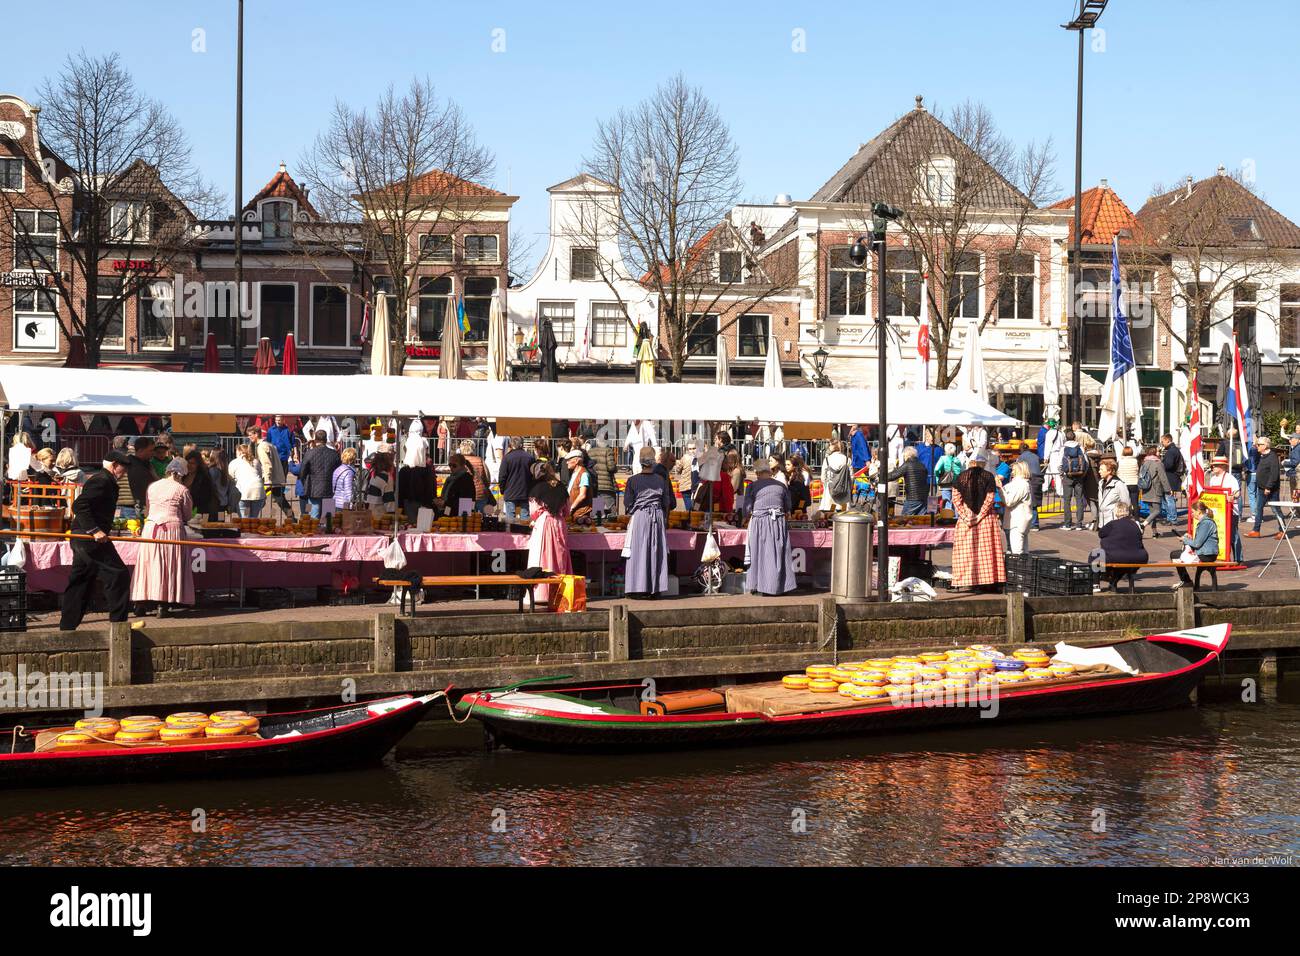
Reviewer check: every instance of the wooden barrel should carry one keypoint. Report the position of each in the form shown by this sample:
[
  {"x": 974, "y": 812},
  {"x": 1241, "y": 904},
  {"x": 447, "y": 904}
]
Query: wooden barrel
[{"x": 33, "y": 518}]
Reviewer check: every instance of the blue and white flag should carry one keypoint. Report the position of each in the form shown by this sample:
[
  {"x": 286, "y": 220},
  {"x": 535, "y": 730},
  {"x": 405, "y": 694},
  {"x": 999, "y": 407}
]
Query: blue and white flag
[{"x": 1121, "y": 400}]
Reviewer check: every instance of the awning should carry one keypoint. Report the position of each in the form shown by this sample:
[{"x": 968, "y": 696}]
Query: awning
[
  {"x": 130, "y": 392},
  {"x": 1026, "y": 378}
]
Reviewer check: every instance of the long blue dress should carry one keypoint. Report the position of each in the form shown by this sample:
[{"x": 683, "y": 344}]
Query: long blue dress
[
  {"x": 771, "y": 567},
  {"x": 648, "y": 498}
]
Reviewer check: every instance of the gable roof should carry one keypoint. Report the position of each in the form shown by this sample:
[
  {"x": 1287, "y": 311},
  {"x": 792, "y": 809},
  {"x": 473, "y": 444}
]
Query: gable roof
[
  {"x": 1228, "y": 202},
  {"x": 885, "y": 168},
  {"x": 583, "y": 180},
  {"x": 283, "y": 186},
  {"x": 1102, "y": 214},
  {"x": 436, "y": 182}
]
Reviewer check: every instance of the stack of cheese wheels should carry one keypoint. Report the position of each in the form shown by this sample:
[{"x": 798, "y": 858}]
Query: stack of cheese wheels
[
  {"x": 139, "y": 727},
  {"x": 104, "y": 728},
  {"x": 225, "y": 728},
  {"x": 796, "y": 681},
  {"x": 822, "y": 685},
  {"x": 181, "y": 731},
  {"x": 251, "y": 723}
]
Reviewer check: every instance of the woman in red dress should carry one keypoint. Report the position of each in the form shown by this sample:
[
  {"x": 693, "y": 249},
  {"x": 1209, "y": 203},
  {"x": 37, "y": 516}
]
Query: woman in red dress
[{"x": 977, "y": 544}]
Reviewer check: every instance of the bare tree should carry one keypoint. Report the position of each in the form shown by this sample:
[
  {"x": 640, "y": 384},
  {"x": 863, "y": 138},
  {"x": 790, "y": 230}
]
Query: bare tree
[
  {"x": 965, "y": 188},
  {"x": 674, "y": 172},
  {"x": 1206, "y": 239},
  {"x": 116, "y": 171},
  {"x": 410, "y": 166}
]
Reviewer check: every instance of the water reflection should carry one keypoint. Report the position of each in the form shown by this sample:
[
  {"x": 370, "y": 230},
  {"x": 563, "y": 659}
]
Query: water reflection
[{"x": 1183, "y": 786}]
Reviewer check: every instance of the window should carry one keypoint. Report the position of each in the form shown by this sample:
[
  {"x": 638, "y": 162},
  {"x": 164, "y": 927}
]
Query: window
[
  {"x": 1199, "y": 314},
  {"x": 478, "y": 303},
  {"x": 384, "y": 286},
  {"x": 754, "y": 334},
  {"x": 434, "y": 248},
  {"x": 1243, "y": 228},
  {"x": 561, "y": 316},
  {"x": 11, "y": 174},
  {"x": 221, "y": 306},
  {"x": 36, "y": 323},
  {"x": 111, "y": 308},
  {"x": 481, "y": 249},
  {"x": 608, "y": 325},
  {"x": 279, "y": 312},
  {"x": 384, "y": 248},
  {"x": 36, "y": 240},
  {"x": 155, "y": 315},
  {"x": 277, "y": 220},
  {"x": 329, "y": 316},
  {"x": 1289, "y": 315},
  {"x": 129, "y": 222},
  {"x": 703, "y": 336},
  {"x": 964, "y": 286},
  {"x": 1139, "y": 292},
  {"x": 1152, "y": 410},
  {"x": 940, "y": 181},
  {"x": 1016, "y": 286},
  {"x": 1243, "y": 313},
  {"x": 432, "y": 308},
  {"x": 1094, "y": 312},
  {"x": 903, "y": 284},
  {"x": 846, "y": 285},
  {"x": 582, "y": 264},
  {"x": 729, "y": 267}
]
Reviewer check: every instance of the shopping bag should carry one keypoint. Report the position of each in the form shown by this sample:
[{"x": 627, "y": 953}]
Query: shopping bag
[
  {"x": 569, "y": 595},
  {"x": 392, "y": 555},
  {"x": 1189, "y": 556},
  {"x": 16, "y": 556},
  {"x": 711, "y": 550}
]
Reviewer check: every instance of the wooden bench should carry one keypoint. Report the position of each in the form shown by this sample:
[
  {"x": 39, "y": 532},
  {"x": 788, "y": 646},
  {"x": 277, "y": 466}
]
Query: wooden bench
[
  {"x": 403, "y": 587},
  {"x": 1130, "y": 572}
]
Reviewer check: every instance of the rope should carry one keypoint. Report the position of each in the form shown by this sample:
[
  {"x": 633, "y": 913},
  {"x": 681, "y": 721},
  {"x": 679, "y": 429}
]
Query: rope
[{"x": 451, "y": 711}]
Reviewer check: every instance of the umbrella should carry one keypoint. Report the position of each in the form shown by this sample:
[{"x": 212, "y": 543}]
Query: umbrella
[
  {"x": 496, "y": 370},
  {"x": 264, "y": 360},
  {"x": 290, "y": 365},
  {"x": 723, "y": 374},
  {"x": 1052, "y": 375},
  {"x": 1226, "y": 415},
  {"x": 972, "y": 378},
  {"x": 211, "y": 357},
  {"x": 547, "y": 346},
  {"x": 772, "y": 367},
  {"x": 645, "y": 362},
  {"x": 449, "y": 359},
  {"x": 381, "y": 357}
]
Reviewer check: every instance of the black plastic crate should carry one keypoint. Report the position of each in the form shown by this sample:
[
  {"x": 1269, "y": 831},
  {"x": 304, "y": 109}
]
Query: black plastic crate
[
  {"x": 1064, "y": 578},
  {"x": 1022, "y": 573},
  {"x": 13, "y": 599},
  {"x": 12, "y": 581}
]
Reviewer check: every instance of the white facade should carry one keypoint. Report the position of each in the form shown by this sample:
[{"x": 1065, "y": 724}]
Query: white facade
[{"x": 586, "y": 314}]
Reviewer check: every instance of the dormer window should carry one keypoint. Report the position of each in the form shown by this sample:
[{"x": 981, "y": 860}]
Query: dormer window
[
  {"x": 277, "y": 219},
  {"x": 730, "y": 267},
  {"x": 939, "y": 181},
  {"x": 130, "y": 222},
  {"x": 1243, "y": 228}
]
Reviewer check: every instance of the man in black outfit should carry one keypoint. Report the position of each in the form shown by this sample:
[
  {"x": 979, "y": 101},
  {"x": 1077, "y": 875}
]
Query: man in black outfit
[
  {"x": 515, "y": 479},
  {"x": 92, "y": 514}
]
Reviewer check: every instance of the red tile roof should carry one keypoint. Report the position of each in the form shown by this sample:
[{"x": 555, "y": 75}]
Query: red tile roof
[
  {"x": 282, "y": 186},
  {"x": 1102, "y": 214},
  {"x": 437, "y": 182}
]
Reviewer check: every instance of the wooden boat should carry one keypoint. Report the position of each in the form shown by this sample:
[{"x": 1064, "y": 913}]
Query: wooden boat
[
  {"x": 309, "y": 741},
  {"x": 617, "y": 719}
]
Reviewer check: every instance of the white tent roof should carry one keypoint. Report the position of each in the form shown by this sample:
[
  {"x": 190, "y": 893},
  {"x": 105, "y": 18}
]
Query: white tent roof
[{"x": 132, "y": 392}]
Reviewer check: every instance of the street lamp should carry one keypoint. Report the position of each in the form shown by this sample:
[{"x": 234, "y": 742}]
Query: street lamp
[
  {"x": 1290, "y": 366},
  {"x": 1085, "y": 19},
  {"x": 882, "y": 214},
  {"x": 819, "y": 358},
  {"x": 237, "y": 323}
]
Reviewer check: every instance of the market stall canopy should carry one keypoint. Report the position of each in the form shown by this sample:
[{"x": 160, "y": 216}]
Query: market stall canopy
[{"x": 131, "y": 392}]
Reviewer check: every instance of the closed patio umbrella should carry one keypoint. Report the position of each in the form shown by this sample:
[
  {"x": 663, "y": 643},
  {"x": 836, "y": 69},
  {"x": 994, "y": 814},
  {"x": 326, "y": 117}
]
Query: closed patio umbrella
[
  {"x": 381, "y": 358},
  {"x": 722, "y": 374},
  {"x": 772, "y": 367},
  {"x": 645, "y": 361},
  {"x": 972, "y": 377},
  {"x": 449, "y": 359},
  {"x": 496, "y": 370},
  {"x": 211, "y": 357},
  {"x": 1052, "y": 376},
  {"x": 290, "y": 364},
  {"x": 264, "y": 360}
]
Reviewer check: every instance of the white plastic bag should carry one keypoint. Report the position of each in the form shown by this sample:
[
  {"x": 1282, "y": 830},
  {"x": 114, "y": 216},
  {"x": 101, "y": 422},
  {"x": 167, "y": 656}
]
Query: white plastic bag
[
  {"x": 909, "y": 590},
  {"x": 711, "y": 550},
  {"x": 392, "y": 555},
  {"x": 1189, "y": 556},
  {"x": 16, "y": 556}
]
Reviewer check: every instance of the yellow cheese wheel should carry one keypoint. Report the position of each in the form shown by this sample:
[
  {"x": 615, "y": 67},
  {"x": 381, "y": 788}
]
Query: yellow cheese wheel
[
  {"x": 147, "y": 719},
  {"x": 130, "y": 734},
  {"x": 1039, "y": 673},
  {"x": 73, "y": 740},
  {"x": 180, "y": 732},
  {"x": 841, "y": 676},
  {"x": 819, "y": 670},
  {"x": 902, "y": 677},
  {"x": 823, "y": 685},
  {"x": 929, "y": 673},
  {"x": 932, "y": 657},
  {"x": 1062, "y": 670},
  {"x": 224, "y": 728},
  {"x": 880, "y": 663},
  {"x": 1010, "y": 677},
  {"x": 795, "y": 680},
  {"x": 100, "y": 726},
  {"x": 185, "y": 717},
  {"x": 870, "y": 679}
]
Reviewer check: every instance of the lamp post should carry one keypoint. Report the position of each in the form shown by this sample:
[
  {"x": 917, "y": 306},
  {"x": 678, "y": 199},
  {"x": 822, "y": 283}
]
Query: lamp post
[
  {"x": 881, "y": 215},
  {"x": 237, "y": 322},
  {"x": 1290, "y": 366},
  {"x": 1085, "y": 19},
  {"x": 819, "y": 358}
]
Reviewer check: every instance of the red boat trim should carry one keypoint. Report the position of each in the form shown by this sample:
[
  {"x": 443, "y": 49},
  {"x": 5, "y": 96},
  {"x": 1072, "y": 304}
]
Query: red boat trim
[
  {"x": 507, "y": 709},
  {"x": 213, "y": 744}
]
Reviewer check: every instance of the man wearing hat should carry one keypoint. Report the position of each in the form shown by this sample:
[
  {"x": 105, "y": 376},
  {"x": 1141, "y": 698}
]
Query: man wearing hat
[
  {"x": 92, "y": 514},
  {"x": 1221, "y": 478}
]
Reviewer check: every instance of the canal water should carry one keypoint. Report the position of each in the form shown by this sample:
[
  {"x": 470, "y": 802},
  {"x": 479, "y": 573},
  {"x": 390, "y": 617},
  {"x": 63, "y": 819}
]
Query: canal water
[{"x": 1192, "y": 786}]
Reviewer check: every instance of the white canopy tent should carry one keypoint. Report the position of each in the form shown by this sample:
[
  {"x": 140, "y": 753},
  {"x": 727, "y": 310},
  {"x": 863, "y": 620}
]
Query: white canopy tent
[{"x": 132, "y": 392}]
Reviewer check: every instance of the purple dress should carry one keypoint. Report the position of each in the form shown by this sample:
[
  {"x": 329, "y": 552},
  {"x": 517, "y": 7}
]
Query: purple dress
[
  {"x": 646, "y": 547},
  {"x": 771, "y": 568}
]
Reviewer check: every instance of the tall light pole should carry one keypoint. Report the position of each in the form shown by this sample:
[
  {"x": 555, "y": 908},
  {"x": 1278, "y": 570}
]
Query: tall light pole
[
  {"x": 1085, "y": 18},
  {"x": 881, "y": 215},
  {"x": 237, "y": 322}
]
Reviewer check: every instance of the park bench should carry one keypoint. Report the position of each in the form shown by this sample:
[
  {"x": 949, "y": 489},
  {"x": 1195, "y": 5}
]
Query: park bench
[
  {"x": 403, "y": 587},
  {"x": 1130, "y": 572}
]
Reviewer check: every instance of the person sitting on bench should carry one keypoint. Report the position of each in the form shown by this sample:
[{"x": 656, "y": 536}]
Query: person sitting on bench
[
  {"x": 1205, "y": 542},
  {"x": 1121, "y": 542}
]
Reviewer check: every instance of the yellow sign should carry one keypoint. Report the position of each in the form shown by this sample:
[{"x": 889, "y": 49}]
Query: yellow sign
[
  {"x": 524, "y": 427},
  {"x": 216, "y": 424},
  {"x": 1220, "y": 504},
  {"x": 808, "y": 431}
]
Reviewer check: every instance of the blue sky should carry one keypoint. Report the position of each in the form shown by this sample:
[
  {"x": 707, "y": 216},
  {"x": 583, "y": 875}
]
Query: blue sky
[{"x": 1180, "y": 87}]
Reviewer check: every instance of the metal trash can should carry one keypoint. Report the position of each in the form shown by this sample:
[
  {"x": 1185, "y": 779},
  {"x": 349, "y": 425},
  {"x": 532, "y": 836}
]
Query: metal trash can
[{"x": 851, "y": 557}]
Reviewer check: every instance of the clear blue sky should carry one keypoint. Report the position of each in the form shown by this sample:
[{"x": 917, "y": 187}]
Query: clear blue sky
[{"x": 1181, "y": 86}]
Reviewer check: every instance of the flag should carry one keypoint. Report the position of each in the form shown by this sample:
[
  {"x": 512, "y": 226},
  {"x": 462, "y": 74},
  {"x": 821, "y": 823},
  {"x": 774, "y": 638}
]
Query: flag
[
  {"x": 460, "y": 315},
  {"x": 923, "y": 338},
  {"x": 1191, "y": 447},
  {"x": 1238, "y": 400},
  {"x": 1121, "y": 401}
]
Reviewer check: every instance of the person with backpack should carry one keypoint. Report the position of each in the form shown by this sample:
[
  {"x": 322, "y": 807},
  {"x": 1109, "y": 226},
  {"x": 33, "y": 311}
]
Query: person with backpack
[
  {"x": 1153, "y": 487},
  {"x": 1175, "y": 468},
  {"x": 946, "y": 471},
  {"x": 1075, "y": 469},
  {"x": 837, "y": 479}
]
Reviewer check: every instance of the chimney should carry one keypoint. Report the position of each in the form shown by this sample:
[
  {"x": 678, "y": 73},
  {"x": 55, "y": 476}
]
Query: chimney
[
  {"x": 1222, "y": 171},
  {"x": 1189, "y": 185},
  {"x": 919, "y": 102},
  {"x": 282, "y": 169},
  {"x": 1104, "y": 184}
]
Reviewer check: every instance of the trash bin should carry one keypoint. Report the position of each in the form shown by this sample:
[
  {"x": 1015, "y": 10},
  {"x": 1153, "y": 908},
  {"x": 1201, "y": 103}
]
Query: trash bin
[{"x": 851, "y": 546}]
